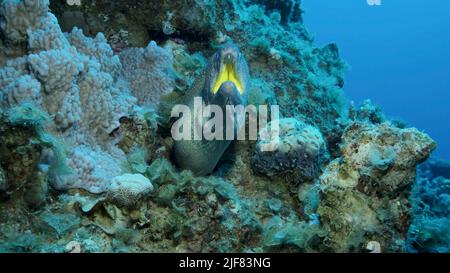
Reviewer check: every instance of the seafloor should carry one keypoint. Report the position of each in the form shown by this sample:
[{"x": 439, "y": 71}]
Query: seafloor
[{"x": 85, "y": 146}]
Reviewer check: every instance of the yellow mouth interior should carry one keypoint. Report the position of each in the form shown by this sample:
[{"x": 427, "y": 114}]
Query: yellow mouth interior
[{"x": 228, "y": 74}]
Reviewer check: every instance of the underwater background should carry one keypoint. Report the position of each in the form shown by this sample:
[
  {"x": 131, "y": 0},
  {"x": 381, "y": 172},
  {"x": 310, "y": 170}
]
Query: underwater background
[
  {"x": 398, "y": 57},
  {"x": 87, "y": 159}
]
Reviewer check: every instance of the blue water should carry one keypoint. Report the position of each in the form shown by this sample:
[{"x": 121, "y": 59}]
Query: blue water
[{"x": 399, "y": 57}]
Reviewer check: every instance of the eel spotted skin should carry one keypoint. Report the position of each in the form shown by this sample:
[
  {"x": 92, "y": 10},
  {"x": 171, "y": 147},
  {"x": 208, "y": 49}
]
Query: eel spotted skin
[{"x": 224, "y": 82}]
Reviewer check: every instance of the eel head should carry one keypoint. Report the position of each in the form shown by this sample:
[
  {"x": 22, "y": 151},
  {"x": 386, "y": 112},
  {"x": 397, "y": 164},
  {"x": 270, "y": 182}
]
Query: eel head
[{"x": 227, "y": 77}]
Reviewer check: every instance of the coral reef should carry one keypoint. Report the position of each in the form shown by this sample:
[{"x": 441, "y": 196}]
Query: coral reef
[
  {"x": 80, "y": 82},
  {"x": 304, "y": 80},
  {"x": 429, "y": 230},
  {"x": 3, "y": 181},
  {"x": 85, "y": 159},
  {"x": 127, "y": 189},
  {"x": 24, "y": 143},
  {"x": 362, "y": 194},
  {"x": 434, "y": 168},
  {"x": 148, "y": 72},
  {"x": 367, "y": 112}
]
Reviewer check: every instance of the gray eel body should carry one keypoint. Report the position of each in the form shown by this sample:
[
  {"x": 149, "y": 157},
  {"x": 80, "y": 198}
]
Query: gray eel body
[{"x": 201, "y": 156}]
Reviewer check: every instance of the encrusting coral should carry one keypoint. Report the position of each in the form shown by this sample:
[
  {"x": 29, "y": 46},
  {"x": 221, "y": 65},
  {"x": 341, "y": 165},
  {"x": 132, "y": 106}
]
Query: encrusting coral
[
  {"x": 300, "y": 151},
  {"x": 148, "y": 72},
  {"x": 3, "y": 181}
]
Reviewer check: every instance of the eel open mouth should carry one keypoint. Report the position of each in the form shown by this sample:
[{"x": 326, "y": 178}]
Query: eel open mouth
[{"x": 228, "y": 74}]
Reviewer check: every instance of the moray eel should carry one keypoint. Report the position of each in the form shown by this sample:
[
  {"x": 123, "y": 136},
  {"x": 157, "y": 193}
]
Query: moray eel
[{"x": 224, "y": 82}]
